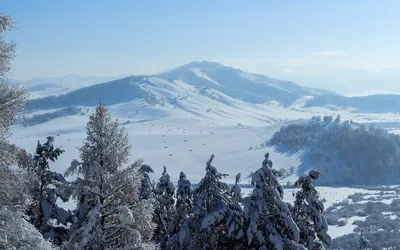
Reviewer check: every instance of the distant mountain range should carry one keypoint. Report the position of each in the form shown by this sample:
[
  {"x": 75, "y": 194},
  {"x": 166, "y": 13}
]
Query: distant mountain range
[
  {"x": 364, "y": 104},
  {"x": 197, "y": 80},
  {"x": 348, "y": 82},
  {"x": 47, "y": 86},
  {"x": 252, "y": 88},
  {"x": 201, "y": 77}
]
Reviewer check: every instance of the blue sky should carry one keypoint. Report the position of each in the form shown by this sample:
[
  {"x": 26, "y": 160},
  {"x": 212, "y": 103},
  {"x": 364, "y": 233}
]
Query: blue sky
[{"x": 97, "y": 38}]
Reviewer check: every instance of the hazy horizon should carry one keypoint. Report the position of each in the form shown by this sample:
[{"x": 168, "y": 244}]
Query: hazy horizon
[
  {"x": 105, "y": 38},
  {"x": 251, "y": 67}
]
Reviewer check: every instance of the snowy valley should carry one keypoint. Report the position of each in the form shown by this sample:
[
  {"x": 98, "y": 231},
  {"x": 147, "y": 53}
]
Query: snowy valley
[
  {"x": 186, "y": 114},
  {"x": 179, "y": 118}
]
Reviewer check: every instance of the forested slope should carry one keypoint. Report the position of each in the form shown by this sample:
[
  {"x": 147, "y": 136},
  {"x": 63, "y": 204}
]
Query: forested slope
[{"x": 346, "y": 153}]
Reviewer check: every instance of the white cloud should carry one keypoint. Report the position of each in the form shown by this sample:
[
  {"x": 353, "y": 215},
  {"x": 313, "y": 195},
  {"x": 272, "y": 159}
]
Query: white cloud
[{"x": 328, "y": 53}]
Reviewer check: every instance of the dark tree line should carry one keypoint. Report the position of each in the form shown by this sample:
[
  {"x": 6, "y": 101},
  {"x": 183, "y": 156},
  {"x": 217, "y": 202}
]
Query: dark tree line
[{"x": 360, "y": 154}]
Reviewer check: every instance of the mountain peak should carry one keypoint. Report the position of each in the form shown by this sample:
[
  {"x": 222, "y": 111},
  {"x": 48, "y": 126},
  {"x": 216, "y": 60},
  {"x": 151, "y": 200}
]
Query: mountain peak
[{"x": 205, "y": 65}]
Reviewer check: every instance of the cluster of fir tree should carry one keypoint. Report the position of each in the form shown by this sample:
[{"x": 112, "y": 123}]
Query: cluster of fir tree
[{"x": 214, "y": 215}]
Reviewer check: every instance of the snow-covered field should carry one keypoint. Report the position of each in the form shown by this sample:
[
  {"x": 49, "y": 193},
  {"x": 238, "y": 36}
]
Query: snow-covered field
[
  {"x": 183, "y": 141},
  {"x": 180, "y": 145}
]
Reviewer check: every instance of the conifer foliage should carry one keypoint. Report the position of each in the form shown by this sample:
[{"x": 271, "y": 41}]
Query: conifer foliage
[
  {"x": 46, "y": 187},
  {"x": 270, "y": 224},
  {"x": 210, "y": 199},
  {"x": 184, "y": 208},
  {"x": 219, "y": 221},
  {"x": 109, "y": 213},
  {"x": 308, "y": 213},
  {"x": 147, "y": 187},
  {"x": 164, "y": 209}
]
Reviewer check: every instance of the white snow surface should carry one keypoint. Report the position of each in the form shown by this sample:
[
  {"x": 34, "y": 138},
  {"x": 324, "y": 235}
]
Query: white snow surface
[
  {"x": 199, "y": 73},
  {"x": 336, "y": 231}
]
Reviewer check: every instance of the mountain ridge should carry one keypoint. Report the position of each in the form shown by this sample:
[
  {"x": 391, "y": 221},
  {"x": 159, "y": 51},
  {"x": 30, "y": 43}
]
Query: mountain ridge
[
  {"x": 202, "y": 77},
  {"x": 214, "y": 81}
]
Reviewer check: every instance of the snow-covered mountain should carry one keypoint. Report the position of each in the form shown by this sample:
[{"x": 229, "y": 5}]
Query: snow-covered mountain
[
  {"x": 196, "y": 79},
  {"x": 252, "y": 88},
  {"x": 207, "y": 90},
  {"x": 197, "y": 90}
]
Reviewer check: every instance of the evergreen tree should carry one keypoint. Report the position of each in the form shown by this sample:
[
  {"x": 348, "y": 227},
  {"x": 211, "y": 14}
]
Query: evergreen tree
[
  {"x": 235, "y": 217},
  {"x": 210, "y": 197},
  {"x": 308, "y": 213},
  {"x": 270, "y": 223},
  {"x": 236, "y": 190},
  {"x": 210, "y": 224},
  {"x": 110, "y": 214},
  {"x": 164, "y": 209},
  {"x": 147, "y": 187},
  {"x": 328, "y": 119},
  {"x": 184, "y": 209},
  {"x": 46, "y": 187},
  {"x": 337, "y": 119}
]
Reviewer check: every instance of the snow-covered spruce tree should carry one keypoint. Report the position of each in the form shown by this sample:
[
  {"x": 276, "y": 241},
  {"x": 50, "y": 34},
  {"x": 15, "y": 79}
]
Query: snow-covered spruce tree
[
  {"x": 147, "y": 187},
  {"x": 109, "y": 214},
  {"x": 235, "y": 217},
  {"x": 337, "y": 119},
  {"x": 210, "y": 226},
  {"x": 184, "y": 209},
  {"x": 45, "y": 187},
  {"x": 164, "y": 209},
  {"x": 236, "y": 190},
  {"x": 270, "y": 223},
  {"x": 308, "y": 213}
]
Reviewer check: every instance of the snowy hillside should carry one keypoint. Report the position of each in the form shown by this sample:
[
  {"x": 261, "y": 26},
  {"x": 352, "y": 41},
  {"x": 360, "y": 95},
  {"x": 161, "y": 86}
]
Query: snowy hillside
[
  {"x": 201, "y": 87},
  {"x": 252, "y": 88},
  {"x": 46, "y": 86},
  {"x": 201, "y": 78},
  {"x": 345, "y": 152}
]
